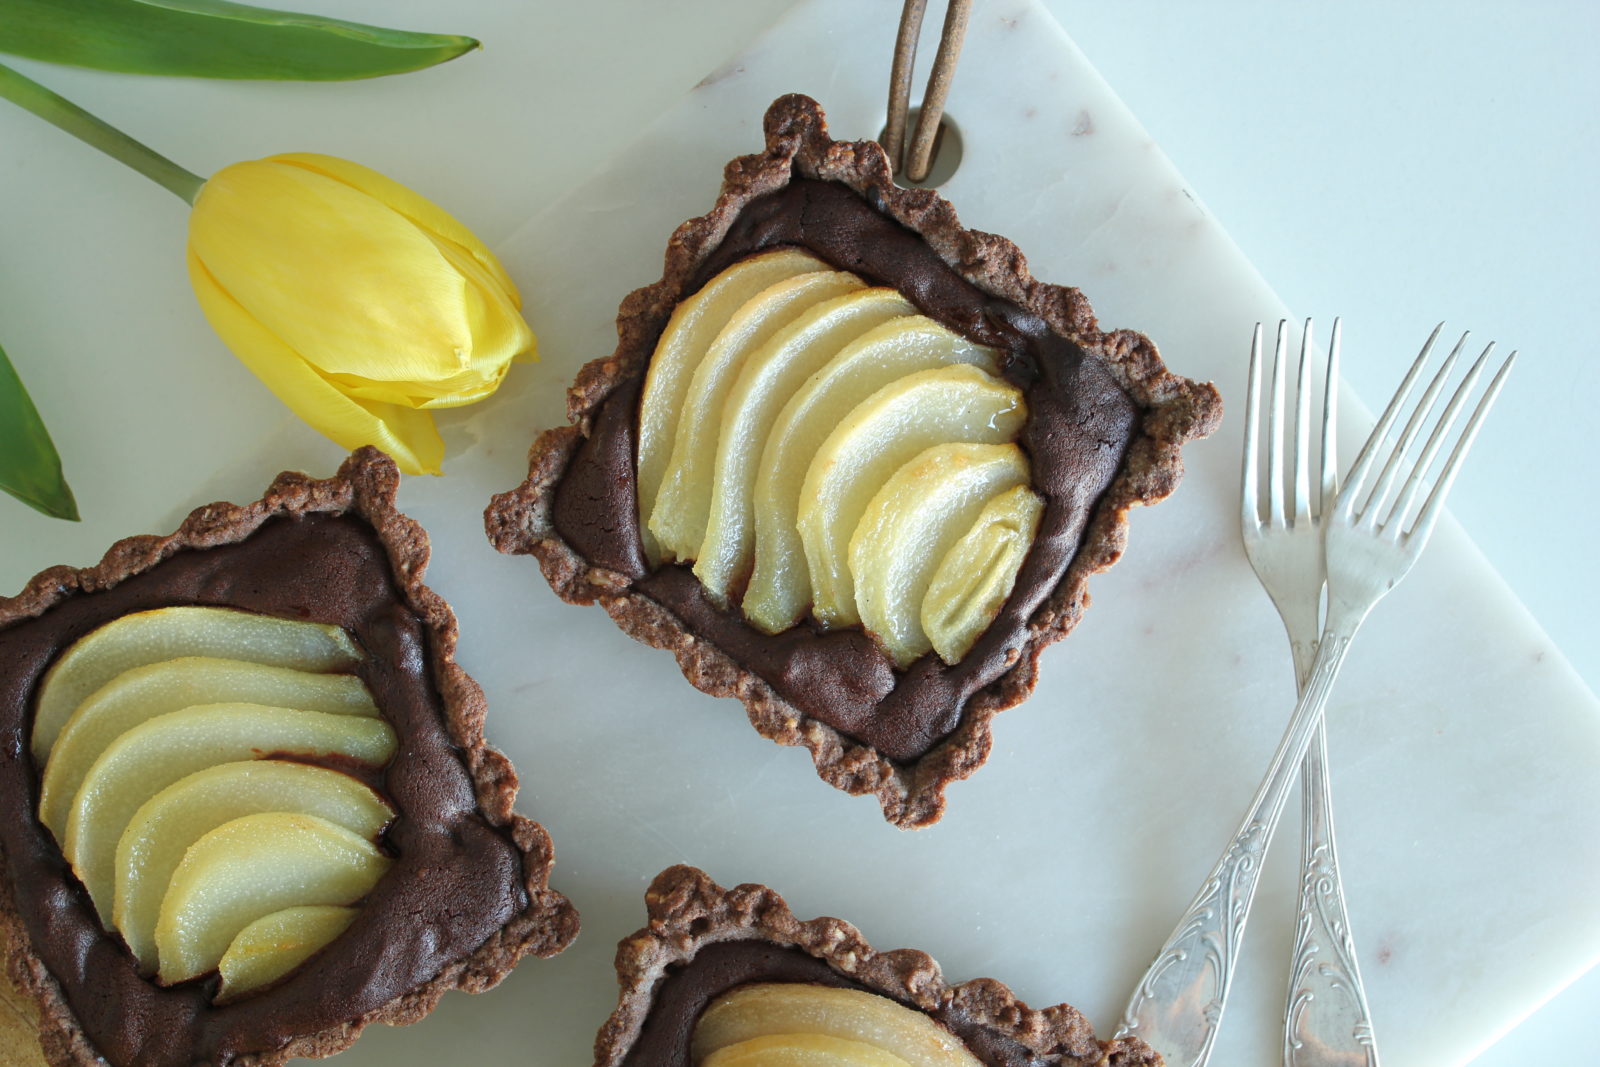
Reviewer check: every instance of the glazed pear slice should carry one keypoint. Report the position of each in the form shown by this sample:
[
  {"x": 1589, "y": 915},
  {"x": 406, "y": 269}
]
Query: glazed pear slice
[
  {"x": 880, "y": 435},
  {"x": 688, "y": 334},
  {"x": 770, "y": 377},
  {"x": 911, "y": 524},
  {"x": 973, "y": 579},
  {"x": 684, "y": 505},
  {"x": 273, "y": 945},
  {"x": 249, "y": 868},
  {"x": 150, "y": 636},
  {"x": 780, "y": 585},
  {"x": 164, "y": 827},
  {"x": 766, "y": 1009},
  {"x": 142, "y": 693},
  {"x": 802, "y": 1050},
  {"x": 155, "y": 754}
]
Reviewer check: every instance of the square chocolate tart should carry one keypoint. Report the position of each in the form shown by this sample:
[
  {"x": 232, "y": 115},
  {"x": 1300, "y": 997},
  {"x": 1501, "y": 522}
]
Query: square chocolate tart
[
  {"x": 1105, "y": 427},
  {"x": 702, "y": 941},
  {"x": 467, "y": 895}
]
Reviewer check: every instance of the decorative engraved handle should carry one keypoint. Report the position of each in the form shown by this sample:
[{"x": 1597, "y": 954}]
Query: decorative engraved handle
[
  {"x": 1326, "y": 1022},
  {"x": 1177, "y": 1006}
]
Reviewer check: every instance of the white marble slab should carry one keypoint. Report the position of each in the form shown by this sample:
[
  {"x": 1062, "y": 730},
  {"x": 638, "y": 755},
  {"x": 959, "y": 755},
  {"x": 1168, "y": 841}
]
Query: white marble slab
[{"x": 1465, "y": 750}]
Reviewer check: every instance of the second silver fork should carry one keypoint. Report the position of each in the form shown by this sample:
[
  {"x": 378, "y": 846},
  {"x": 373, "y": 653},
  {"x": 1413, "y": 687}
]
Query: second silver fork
[{"x": 1326, "y": 1020}]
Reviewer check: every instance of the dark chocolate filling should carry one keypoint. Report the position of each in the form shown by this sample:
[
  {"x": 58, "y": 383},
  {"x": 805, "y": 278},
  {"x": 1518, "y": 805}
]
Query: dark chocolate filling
[
  {"x": 688, "y": 988},
  {"x": 456, "y": 879},
  {"x": 1079, "y": 424}
]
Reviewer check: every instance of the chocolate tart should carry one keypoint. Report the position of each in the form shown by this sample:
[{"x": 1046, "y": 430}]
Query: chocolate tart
[
  {"x": 467, "y": 893},
  {"x": 702, "y": 941},
  {"x": 1106, "y": 422}
]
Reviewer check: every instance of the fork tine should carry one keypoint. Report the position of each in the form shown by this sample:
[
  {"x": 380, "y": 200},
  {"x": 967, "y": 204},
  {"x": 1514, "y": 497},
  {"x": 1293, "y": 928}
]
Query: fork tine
[
  {"x": 1250, "y": 507},
  {"x": 1413, "y": 486},
  {"x": 1302, "y": 432},
  {"x": 1430, "y": 511},
  {"x": 1275, "y": 429},
  {"x": 1369, "y": 451},
  {"x": 1391, "y": 470},
  {"x": 1330, "y": 422}
]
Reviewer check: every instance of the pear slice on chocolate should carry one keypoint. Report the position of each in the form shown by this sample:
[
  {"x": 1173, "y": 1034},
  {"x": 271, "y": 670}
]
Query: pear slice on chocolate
[
  {"x": 249, "y": 868},
  {"x": 273, "y": 945},
  {"x": 976, "y": 575}
]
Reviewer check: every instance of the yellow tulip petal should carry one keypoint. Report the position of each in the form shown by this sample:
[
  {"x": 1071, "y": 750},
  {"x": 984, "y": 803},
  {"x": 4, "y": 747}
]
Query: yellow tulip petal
[
  {"x": 419, "y": 209},
  {"x": 407, "y": 435},
  {"x": 351, "y": 285}
]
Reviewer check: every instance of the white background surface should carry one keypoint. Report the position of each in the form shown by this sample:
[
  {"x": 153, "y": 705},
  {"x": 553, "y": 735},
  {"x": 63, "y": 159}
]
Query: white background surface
[{"x": 1392, "y": 166}]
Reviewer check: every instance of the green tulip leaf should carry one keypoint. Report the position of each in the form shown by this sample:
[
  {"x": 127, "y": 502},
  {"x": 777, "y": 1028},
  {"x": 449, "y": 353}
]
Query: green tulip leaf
[
  {"x": 214, "y": 39},
  {"x": 30, "y": 469}
]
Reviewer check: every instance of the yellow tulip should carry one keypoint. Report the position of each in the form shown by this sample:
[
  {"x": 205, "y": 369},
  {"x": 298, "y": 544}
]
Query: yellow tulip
[{"x": 359, "y": 303}]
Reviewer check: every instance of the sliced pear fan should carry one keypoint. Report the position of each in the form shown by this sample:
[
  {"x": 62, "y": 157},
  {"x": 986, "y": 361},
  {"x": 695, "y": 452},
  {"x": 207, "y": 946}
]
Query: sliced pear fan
[
  {"x": 975, "y": 577},
  {"x": 769, "y": 378},
  {"x": 695, "y": 323},
  {"x": 150, "y": 636},
  {"x": 249, "y": 868},
  {"x": 684, "y": 505},
  {"x": 140, "y": 694},
  {"x": 885, "y": 431},
  {"x": 911, "y": 524},
  {"x": 155, "y": 754},
  {"x": 164, "y": 827},
  {"x": 780, "y": 584}
]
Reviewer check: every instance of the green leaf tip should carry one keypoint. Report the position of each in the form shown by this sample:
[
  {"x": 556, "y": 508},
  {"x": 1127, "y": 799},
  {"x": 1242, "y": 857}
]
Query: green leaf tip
[
  {"x": 216, "y": 39},
  {"x": 30, "y": 468}
]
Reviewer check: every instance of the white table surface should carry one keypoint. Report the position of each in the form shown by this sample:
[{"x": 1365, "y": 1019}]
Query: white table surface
[{"x": 1392, "y": 166}]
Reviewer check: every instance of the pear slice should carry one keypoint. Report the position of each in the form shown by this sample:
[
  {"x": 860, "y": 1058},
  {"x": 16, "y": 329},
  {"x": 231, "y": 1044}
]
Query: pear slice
[
  {"x": 770, "y": 377},
  {"x": 909, "y": 527},
  {"x": 880, "y": 435},
  {"x": 780, "y": 585},
  {"x": 164, "y": 827},
  {"x": 975, "y": 577},
  {"x": 144, "y": 692},
  {"x": 802, "y": 1050},
  {"x": 684, "y": 505},
  {"x": 249, "y": 868},
  {"x": 688, "y": 334},
  {"x": 155, "y": 754},
  {"x": 273, "y": 945},
  {"x": 149, "y": 636},
  {"x": 765, "y": 1009}
]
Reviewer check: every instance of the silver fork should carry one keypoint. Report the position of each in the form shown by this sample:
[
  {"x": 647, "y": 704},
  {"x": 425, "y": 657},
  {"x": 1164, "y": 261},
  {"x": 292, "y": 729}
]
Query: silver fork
[
  {"x": 1326, "y": 1021},
  {"x": 1371, "y": 540}
]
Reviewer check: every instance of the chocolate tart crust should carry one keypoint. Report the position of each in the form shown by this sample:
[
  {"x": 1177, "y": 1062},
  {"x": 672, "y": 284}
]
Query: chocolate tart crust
[
  {"x": 690, "y": 914},
  {"x": 364, "y": 490},
  {"x": 1171, "y": 411}
]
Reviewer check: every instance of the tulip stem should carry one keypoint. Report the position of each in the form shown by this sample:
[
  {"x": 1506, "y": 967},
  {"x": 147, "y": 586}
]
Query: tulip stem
[{"x": 64, "y": 114}]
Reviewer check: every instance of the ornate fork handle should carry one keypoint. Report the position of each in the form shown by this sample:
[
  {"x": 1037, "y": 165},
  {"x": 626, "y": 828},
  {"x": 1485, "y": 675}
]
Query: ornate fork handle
[{"x": 1177, "y": 1006}]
